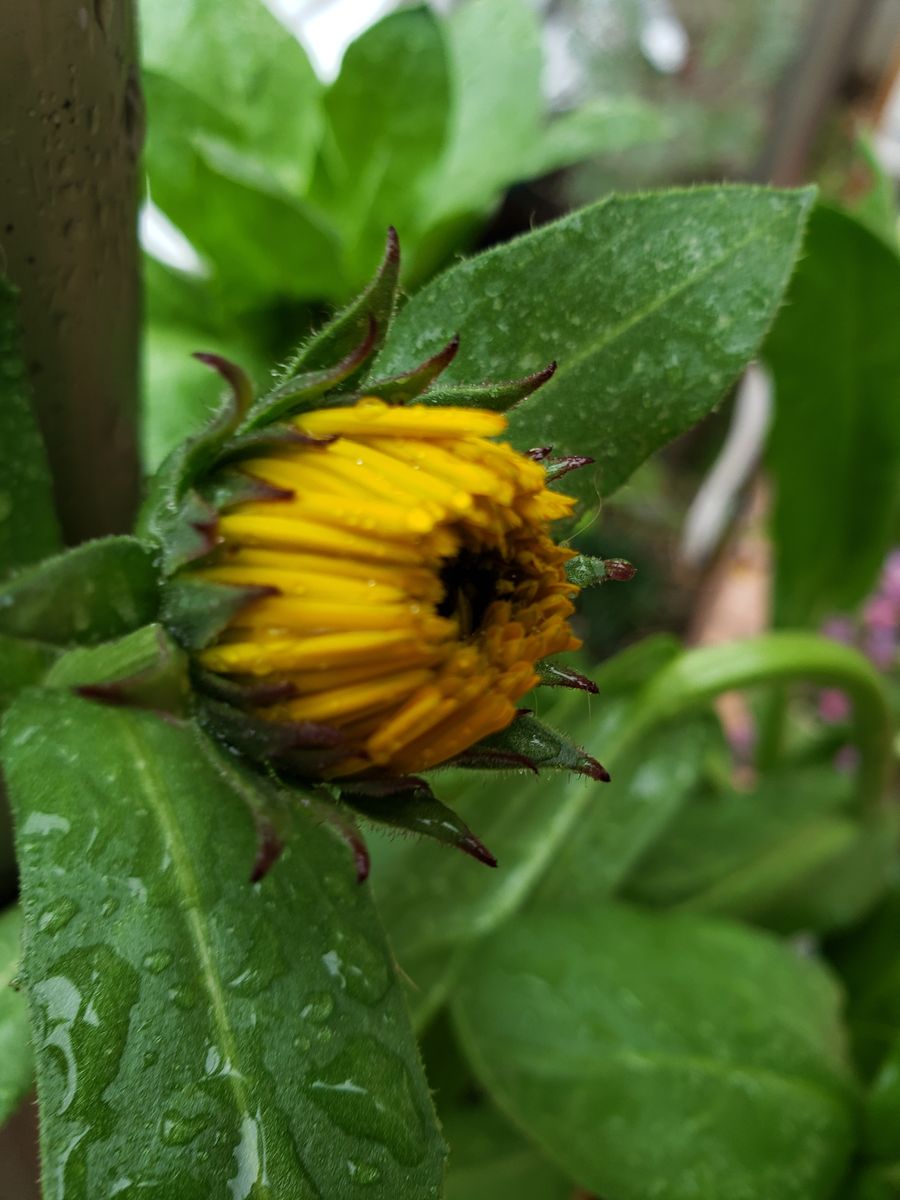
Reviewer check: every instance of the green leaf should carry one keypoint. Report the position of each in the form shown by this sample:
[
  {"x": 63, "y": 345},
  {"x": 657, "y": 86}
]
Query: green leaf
[
  {"x": 246, "y": 69},
  {"x": 194, "y": 1030},
  {"x": 16, "y": 1060},
  {"x": 491, "y": 1161},
  {"x": 788, "y": 854},
  {"x": 651, "y": 304},
  {"x": 834, "y": 449},
  {"x": 387, "y": 115},
  {"x": 22, "y": 663},
  {"x": 28, "y": 525},
  {"x": 526, "y": 826},
  {"x": 648, "y": 791},
  {"x": 604, "y": 126},
  {"x": 496, "y": 107},
  {"x": 259, "y": 235},
  {"x": 99, "y": 590},
  {"x": 871, "y": 200},
  {"x": 623, "y": 1041}
]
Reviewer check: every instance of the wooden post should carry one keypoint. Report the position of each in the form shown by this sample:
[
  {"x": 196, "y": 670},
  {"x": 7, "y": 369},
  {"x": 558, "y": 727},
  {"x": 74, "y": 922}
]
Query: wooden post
[{"x": 71, "y": 128}]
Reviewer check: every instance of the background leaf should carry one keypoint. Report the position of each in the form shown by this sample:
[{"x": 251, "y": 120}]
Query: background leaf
[
  {"x": 387, "y": 116},
  {"x": 789, "y": 853},
  {"x": 835, "y": 358},
  {"x": 28, "y": 526},
  {"x": 595, "y": 1031},
  {"x": 436, "y": 905},
  {"x": 652, "y": 304},
  {"x": 496, "y": 107},
  {"x": 261, "y": 1025},
  {"x": 16, "y": 1062},
  {"x": 251, "y": 75}
]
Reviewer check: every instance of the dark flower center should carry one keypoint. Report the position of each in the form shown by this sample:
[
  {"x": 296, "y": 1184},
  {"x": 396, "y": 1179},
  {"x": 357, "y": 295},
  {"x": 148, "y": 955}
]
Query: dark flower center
[{"x": 471, "y": 580}]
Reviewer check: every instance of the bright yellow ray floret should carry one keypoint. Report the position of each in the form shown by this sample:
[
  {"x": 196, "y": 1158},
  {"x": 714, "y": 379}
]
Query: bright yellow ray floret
[{"x": 413, "y": 581}]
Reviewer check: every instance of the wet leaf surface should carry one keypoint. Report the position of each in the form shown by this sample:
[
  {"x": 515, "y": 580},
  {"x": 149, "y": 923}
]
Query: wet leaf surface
[
  {"x": 16, "y": 1063},
  {"x": 198, "y": 1035},
  {"x": 593, "y": 1029}
]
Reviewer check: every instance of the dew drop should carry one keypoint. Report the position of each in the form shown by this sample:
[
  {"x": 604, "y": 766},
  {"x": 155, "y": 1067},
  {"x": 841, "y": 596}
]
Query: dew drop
[
  {"x": 179, "y": 1130},
  {"x": 183, "y": 996},
  {"x": 318, "y": 1007},
  {"x": 52, "y": 920},
  {"x": 363, "y": 1173},
  {"x": 368, "y": 1092},
  {"x": 157, "y": 961}
]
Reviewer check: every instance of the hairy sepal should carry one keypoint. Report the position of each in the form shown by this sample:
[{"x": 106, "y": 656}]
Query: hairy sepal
[
  {"x": 196, "y": 611},
  {"x": 537, "y": 744},
  {"x": 408, "y": 804},
  {"x": 348, "y": 328},
  {"x": 497, "y": 397}
]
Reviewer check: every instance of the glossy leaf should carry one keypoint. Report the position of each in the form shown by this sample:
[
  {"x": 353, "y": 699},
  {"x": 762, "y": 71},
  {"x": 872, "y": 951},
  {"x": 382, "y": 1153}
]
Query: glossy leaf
[
  {"x": 651, "y": 304},
  {"x": 835, "y": 358},
  {"x": 648, "y": 791},
  {"x": 489, "y": 1160},
  {"x": 195, "y": 1032},
  {"x": 673, "y": 1056},
  {"x": 22, "y": 662},
  {"x": 16, "y": 1062},
  {"x": 28, "y": 525},
  {"x": 435, "y": 905},
  {"x": 99, "y": 590},
  {"x": 386, "y": 120},
  {"x": 788, "y": 853}
]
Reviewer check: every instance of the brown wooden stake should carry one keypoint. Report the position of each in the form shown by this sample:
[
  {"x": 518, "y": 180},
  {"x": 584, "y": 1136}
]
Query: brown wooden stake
[{"x": 71, "y": 127}]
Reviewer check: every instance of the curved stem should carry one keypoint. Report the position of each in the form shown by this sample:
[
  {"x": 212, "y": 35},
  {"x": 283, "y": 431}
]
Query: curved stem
[{"x": 698, "y": 676}]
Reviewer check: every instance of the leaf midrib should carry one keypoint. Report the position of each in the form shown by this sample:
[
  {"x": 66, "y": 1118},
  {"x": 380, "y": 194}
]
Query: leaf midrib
[
  {"x": 156, "y": 796},
  {"x": 723, "y": 1069},
  {"x": 658, "y": 302}
]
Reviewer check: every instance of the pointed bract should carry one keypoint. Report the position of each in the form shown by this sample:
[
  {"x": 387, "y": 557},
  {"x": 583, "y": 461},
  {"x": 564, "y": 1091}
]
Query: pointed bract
[
  {"x": 497, "y": 397},
  {"x": 410, "y": 805},
  {"x": 401, "y": 389},
  {"x": 543, "y": 746},
  {"x": 345, "y": 331},
  {"x": 299, "y": 393},
  {"x": 196, "y": 611}
]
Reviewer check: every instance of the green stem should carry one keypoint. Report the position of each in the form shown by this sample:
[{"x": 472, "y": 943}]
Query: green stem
[
  {"x": 699, "y": 676},
  {"x": 771, "y": 728}
]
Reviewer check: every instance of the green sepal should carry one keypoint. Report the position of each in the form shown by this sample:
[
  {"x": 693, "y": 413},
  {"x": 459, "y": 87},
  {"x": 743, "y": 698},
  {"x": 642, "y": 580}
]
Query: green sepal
[
  {"x": 270, "y": 437},
  {"x": 146, "y": 669},
  {"x": 587, "y": 571},
  {"x": 304, "y": 391},
  {"x": 93, "y": 592},
  {"x": 182, "y": 469},
  {"x": 497, "y": 397},
  {"x": 301, "y": 748},
  {"x": 196, "y": 611},
  {"x": 244, "y": 691},
  {"x": 401, "y": 389},
  {"x": 535, "y": 746},
  {"x": 230, "y": 487},
  {"x": 187, "y": 532},
  {"x": 348, "y": 328},
  {"x": 558, "y": 675},
  {"x": 408, "y": 804}
]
